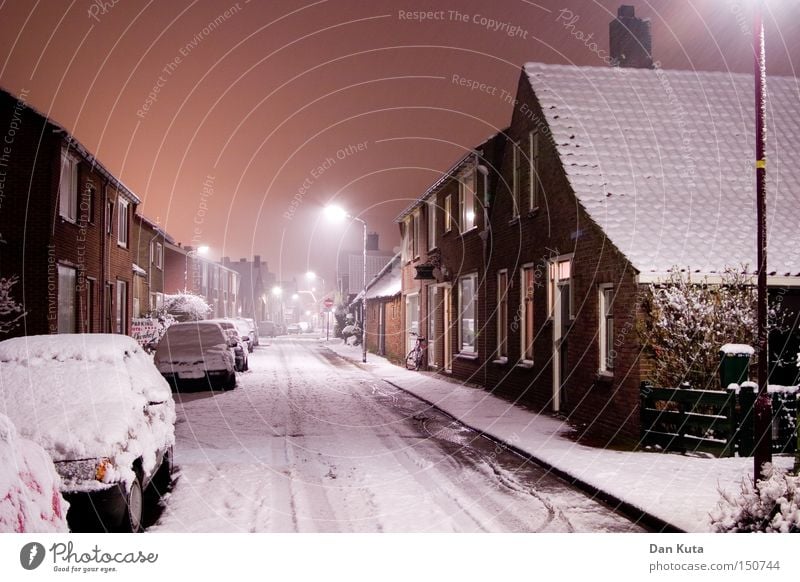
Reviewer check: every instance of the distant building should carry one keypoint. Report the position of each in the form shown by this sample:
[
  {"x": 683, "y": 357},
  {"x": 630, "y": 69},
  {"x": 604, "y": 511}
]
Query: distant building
[
  {"x": 255, "y": 286},
  {"x": 350, "y": 278},
  {"x": 218, "y": 284},
  {"x": 148, "y": 265}
]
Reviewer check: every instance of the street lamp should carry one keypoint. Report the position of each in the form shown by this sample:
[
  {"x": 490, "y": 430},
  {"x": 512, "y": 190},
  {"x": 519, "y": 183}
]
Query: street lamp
[
  {"x": 201, "y": 251},
  {"x": 763, "y": 405},
  {"x": 337, "y": 214}
]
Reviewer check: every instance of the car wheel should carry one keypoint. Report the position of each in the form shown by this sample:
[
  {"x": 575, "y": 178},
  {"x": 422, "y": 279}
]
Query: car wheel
[
  {"x": 161, "y": 481},
  {"x": 230, "y": 382},
  {"x": 134, "y": 503}
]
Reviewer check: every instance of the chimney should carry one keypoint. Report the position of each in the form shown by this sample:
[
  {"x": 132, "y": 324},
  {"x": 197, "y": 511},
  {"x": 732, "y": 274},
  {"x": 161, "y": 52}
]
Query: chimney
[
  {"x": 372, "y": 241},
  {"x": 256, "y": 261},
  {"x": 226, "y": 261},
  {"x": 631, "y": 40}
]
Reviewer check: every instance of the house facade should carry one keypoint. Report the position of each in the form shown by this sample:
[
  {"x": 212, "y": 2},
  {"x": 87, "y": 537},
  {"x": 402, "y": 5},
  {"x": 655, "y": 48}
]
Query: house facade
[
  {"x": 148, "y": 266},
  {"x": 385, "y": 330},
  {"x": 186, "y": 269},
  {"x": 66, "y": 224}
]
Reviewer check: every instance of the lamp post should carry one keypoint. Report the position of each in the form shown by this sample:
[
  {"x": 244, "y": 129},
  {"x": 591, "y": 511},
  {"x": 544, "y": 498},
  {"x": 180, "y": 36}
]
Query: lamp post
[
  {"x": 337, "y": 213},
  {"x": 763, "y": 406},
  {"x": 202, "y": 250}
]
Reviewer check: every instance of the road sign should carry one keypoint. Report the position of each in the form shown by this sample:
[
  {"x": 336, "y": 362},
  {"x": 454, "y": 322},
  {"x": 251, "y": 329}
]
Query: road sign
[{"x": 328, "y": 303}]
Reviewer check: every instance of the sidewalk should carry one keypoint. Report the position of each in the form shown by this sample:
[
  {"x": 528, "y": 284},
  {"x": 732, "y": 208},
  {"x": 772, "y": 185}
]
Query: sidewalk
[{"x": 680, "y": 491}]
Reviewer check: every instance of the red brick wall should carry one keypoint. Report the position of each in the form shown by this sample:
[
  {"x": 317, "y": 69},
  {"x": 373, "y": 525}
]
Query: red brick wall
[
  {"x": 394, "y": 334},
  {"x": 560, "y": 226}
]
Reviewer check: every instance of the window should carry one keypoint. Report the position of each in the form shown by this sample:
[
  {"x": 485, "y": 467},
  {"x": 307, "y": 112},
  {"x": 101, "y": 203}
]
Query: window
[
  {"x": 516, "y": 181},
  {"x": 432, "y": 224},
  {"x": 467, "y": 199},
  {"x": 527, "y": 287},
  {"x": 68, "y": 187},
  {"x": 533, "y": 182},
  {"x": 448, "y": 213},
  {"x": 87, "y": 204},
  {"x": 466, "y": 313},
  {"x": 122, "y": 223},
  {"x": 109, "y": 305},
  {"x": 157, "y": 254},
  {"x": 67, "y": 278},
  {"x": 606, "y": 335},
  {"x": 502, "y": 314},
  {"x": 559, "y": 276},
  {"x": 109, "y": 217},
  {"x": 121, "y": 319},
  {"x": 407, "y": 234}
]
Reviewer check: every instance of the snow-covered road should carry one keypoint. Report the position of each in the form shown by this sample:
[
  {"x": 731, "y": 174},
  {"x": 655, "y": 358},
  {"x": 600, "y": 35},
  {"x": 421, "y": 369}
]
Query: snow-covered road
[{"x": 309, "y": 442}]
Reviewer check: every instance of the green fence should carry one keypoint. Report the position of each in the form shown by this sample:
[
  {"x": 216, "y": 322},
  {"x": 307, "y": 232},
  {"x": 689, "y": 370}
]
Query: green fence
[{"x": 715, "y": 422}]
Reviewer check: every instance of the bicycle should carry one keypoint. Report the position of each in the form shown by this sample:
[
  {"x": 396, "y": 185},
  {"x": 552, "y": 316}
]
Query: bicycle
[{"x": 416, "y": 357}]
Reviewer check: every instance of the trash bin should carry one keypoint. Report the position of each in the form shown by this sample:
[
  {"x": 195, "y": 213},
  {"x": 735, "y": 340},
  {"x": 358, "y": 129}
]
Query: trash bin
[{"x": 734, "y": 364}]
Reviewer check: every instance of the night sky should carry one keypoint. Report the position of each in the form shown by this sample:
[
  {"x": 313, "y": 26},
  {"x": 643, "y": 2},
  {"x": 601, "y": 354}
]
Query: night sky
[{"x": 236, "y": 122}]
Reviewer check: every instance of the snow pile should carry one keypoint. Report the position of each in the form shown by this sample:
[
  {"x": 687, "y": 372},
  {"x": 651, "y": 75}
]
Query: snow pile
[
  {"x": 773, "y": 506},
  {"x": 88, "y": 396},
  {"x": 29, "y": 486},
  {"x": 737, "y": 349},
  {"x": 186, "y": 306}
]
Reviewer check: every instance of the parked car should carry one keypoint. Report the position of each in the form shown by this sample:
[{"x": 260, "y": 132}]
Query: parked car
[
  {"x": 99, "y": 407},
  {"x": 253, "y": 329},
  {"x": 30, "y": 495},
  {"x": 197, "y": 353},
  {"x": 238, "y": 345},
  {"x": 267, "y": 328},
  {"x": 293, "y": 328},
  {"x": 245, "y": 333}
]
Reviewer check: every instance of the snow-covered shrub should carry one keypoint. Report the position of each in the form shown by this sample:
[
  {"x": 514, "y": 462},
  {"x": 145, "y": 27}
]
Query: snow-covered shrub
[
  {"x": 686, "y": 323},
  {"x": 11, "y": 311},
  {"x": 185, "y": 306},
  {"x": 352, "y": 334},
  {"x": 772, "y": 506}
]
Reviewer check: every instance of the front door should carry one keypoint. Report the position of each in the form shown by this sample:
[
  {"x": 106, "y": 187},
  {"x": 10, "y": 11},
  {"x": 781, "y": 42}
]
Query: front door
[
  {"x": 447, "y": 335},
  {"x": 382, "y": 328},
  {"x": 561, "y": 322}
]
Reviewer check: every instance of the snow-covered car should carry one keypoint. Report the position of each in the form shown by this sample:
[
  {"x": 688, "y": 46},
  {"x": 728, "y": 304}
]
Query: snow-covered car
[
  {"x": 293, "y": 328},
  {"x": 245, "y": 333},
  {"x": 197, "y": 353},
  {"x": 99, "y": 407},
  {"x": 253, "y": 329},
  {"x": 237, "y": 344},
  {"x": 268, "y": 329},
  {"x": 30, "y": 496}
]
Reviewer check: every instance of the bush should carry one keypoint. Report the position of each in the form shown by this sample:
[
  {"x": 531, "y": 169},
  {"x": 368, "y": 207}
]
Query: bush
[{"x": 773, "y": 506}]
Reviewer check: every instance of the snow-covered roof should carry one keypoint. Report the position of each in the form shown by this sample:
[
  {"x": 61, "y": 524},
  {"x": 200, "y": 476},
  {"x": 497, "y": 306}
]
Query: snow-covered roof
[
  {"x": 663, "y": 162},
  {"x": 387, "y": 283}
]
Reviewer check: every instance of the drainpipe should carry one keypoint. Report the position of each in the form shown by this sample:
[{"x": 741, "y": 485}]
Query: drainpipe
[{"x": 484, "y": 234}]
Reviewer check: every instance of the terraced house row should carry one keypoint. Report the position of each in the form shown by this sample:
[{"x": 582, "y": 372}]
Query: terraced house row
[
  {"x": 525, "y": 264},
  {"x": 71, "y": 235}
]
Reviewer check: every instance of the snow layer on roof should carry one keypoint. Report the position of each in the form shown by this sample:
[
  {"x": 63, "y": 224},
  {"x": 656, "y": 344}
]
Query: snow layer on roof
[
  {"x": 388, "y": 282},
  {"x": 84, "y": 396},
  {"x": 663, "y": 161}
]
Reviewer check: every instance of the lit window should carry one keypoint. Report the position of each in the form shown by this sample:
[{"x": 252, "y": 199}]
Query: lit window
[
  {"x": 448, "y": 213},
  {"x": 559, "y": 278},
  {"x": 467, "y": 289},
  {"x": 432, "y": 224},
  {"x": 466, "y": 190}
]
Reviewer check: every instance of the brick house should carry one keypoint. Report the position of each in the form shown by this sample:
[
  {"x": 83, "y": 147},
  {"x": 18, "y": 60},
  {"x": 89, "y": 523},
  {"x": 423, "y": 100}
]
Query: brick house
[
  {"x": 185, "y": 268},
  {"x": 65, "y": 226},
  {"x": 148, "y": 266},
  {"x": 444, "y": 257},
  {"x": 385, "y": 330},
  {"x": 255, "y": 286}
]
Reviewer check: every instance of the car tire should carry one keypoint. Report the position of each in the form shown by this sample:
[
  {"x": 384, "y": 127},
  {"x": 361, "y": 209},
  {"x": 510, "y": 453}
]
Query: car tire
[
  {"x": 230, "y": 382},
  {"x": 134, "y": 508},
  {"x": 161, "y": 481}
]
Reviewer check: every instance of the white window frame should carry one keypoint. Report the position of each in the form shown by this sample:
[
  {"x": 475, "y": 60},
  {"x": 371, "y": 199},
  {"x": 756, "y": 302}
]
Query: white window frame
[
  {"x": 68, "y": 187},
  {"x": 123, "y": 222},
  {"x": 604, "y": 334},
  {"x": 158, "y": 255},
  {"x": 524, "y": 340},
  {"x": 552, "y": 282},
  {"x": 121, "y": 306},
  {"x": 67, "y": 299},
  {"x": 432, "y": 242},
  {"x": 448, "y": 213},
  {"x": 502, "y": 316},
  {"x": 407, "y": 234},
  {"x": 415, "y": 242},
  {"x": 473, "y": 349},
  {"x": 467, "y": 186},
  {"x": 534, "y": 185}
]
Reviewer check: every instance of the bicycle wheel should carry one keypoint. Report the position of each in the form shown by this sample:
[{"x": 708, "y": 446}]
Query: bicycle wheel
[{"x": 412, "y": 360}]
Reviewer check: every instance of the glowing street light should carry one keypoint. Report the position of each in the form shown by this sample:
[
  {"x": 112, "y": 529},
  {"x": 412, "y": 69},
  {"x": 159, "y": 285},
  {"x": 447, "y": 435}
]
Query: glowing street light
[{"x": 337, "y": 214}]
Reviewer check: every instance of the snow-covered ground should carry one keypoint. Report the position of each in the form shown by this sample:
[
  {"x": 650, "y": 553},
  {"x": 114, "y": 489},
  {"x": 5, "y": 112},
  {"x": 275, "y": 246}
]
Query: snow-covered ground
[
  {"x": 310, "y": 442},
  {"x": 680, "y": 490}
]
